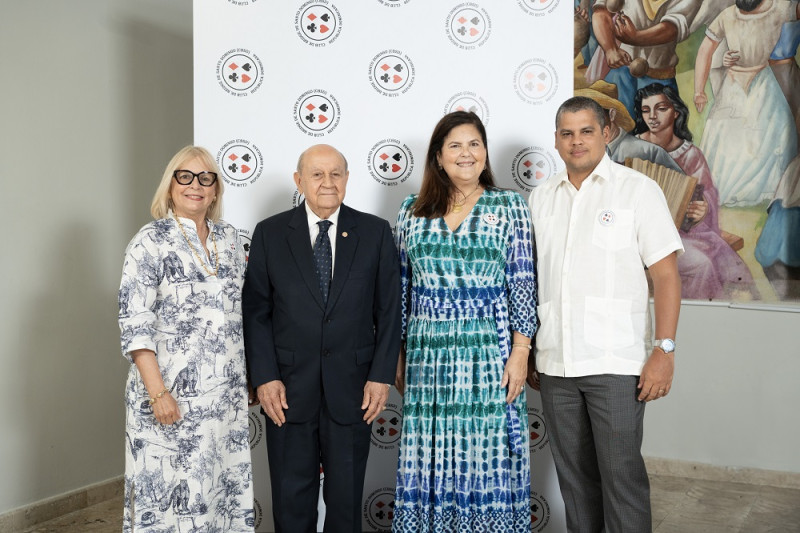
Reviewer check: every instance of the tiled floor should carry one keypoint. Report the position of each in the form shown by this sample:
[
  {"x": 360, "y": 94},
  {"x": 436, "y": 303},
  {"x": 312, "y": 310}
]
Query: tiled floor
[{"x": 680, "y": 505}]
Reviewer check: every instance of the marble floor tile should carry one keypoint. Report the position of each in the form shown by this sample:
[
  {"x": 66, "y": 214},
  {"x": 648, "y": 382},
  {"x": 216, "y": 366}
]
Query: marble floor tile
[{"x": 680, "y": 505}]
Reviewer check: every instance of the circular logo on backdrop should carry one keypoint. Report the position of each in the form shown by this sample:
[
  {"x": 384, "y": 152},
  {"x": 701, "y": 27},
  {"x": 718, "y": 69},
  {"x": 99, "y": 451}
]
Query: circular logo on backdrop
[
  {"x": 386, "y": 428},
  {"x": 258, "y": 514},
  {"x": 391, "y": 73},
  {"x": 532, "y": 166},
  {"x": 540, "y": 512},
  {"x": 240, "y": 72},
  {"x": 468, "y": 26},
  {"x": 535, "y": 81},
  {"x": 379, "y": 509},
  {"x": 538, "y": 8},
  {"x": 316, "y": 113},
  {"x": 537, "y": 430},
  {"x": 468, "y": 101},
  {"x": 241, "y": 162},
  {"x": 390, "y": 162},
  {"x": 318, "y": 23},
  {"x": 244, "y": 235},
  {"x": 256, "y": 426},
  {"x": 393, "y": 3}
]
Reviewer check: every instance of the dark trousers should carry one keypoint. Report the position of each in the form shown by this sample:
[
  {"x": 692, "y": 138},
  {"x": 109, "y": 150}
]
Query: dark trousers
[
  {"x": 295, "y": 452},
  {"x": 596, "y": 426}
]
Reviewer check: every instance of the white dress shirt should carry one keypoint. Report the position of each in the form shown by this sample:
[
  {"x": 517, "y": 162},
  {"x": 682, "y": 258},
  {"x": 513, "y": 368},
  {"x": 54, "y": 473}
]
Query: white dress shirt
[
  {"x": 313, "y": 230},
  {"x": 592, "y": 245}
]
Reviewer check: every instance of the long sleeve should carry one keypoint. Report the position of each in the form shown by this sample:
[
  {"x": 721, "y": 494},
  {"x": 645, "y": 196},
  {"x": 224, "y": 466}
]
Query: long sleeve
[
  {"x": 142, "y": 273},
  {"x": 519, "y": 270},
  {"x": 257, "y": 306},
  {"x": 400, "y": 232},
  {"x": 386, "y": 312}
]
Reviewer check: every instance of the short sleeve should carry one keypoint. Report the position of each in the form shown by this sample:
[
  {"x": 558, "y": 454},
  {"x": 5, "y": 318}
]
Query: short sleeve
[{"x": 656, "y": 234}]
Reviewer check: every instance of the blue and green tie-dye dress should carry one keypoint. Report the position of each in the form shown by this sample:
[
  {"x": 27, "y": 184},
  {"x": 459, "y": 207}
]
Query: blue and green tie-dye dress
[{"x": 464, "y": 457}]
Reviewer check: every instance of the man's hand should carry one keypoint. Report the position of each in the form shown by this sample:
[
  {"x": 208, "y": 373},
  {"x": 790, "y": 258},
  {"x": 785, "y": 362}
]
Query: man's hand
[
  {"x": 617, "y": 57},
  {"x": 533, "y": 374},
  {"x": 272, "y": 397},
  {"x": 375, "y": 396},
  {"x": 656, "y": 378},
  {"x": 400, "y": 373}
]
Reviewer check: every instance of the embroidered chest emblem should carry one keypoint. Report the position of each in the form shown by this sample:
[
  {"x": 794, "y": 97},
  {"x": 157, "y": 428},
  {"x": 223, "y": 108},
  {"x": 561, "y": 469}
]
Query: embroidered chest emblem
[{"x": 606, "y": 218}]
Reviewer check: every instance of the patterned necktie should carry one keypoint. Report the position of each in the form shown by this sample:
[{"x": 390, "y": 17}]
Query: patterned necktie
[{"x": 322, "y": 258}]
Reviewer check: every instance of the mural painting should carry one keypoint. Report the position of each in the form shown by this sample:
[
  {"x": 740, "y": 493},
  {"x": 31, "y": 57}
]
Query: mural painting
[{"x": 702, "y": 96}]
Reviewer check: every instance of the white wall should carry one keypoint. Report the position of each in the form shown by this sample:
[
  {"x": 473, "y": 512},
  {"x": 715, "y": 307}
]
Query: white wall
[
  {"x": 95, "y": 97},
  {"x": 734, "y": 400}
]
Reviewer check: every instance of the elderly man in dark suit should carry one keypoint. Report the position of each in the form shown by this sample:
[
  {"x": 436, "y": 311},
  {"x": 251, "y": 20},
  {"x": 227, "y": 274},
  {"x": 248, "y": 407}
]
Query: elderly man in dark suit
[{"x": 321, "y": 309}]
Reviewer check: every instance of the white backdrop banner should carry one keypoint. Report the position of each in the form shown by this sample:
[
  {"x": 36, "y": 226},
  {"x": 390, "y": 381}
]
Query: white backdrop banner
[{"x": 372, "y": 78}]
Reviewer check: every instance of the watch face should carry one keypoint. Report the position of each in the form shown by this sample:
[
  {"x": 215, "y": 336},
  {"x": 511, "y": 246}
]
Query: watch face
[{"x": 668, "y": 345}]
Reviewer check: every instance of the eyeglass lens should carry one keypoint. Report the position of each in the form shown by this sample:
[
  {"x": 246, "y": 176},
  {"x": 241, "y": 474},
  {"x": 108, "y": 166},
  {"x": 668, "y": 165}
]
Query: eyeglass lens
[{"x": 185, "y": 177}]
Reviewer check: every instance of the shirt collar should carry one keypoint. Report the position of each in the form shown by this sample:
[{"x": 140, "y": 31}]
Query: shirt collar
[
  {"x": 602, "y": 171},
  {"x": 313, "y": 218}
]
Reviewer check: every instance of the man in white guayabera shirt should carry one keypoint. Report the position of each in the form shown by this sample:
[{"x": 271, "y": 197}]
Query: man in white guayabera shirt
[{"x": 598, "y": 224}]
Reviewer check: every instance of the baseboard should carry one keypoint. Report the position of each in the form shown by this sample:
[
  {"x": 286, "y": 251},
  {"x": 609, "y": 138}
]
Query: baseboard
[
  {"x": 44, "y": 510},
  {"x": 752, "y": 476}
]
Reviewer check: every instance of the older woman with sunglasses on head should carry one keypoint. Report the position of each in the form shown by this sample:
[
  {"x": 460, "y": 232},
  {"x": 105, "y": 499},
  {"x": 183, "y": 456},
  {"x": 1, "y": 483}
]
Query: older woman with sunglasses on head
[{"x": 187, "y": 459}]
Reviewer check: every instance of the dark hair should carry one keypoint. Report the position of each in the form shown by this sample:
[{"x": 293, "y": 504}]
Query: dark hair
[
  {"x": 582, "y": 103},
  {"x": 680, "y": 128},
  {"x": 747, "y": 5},
  {"x": 434, "y": 195}
]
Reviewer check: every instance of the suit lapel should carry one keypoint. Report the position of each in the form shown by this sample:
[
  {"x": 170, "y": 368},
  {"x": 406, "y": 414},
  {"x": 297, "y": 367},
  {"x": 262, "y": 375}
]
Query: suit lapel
[
  {"x": 346, "y": 244},
  {"x": 300, "y": 244}
]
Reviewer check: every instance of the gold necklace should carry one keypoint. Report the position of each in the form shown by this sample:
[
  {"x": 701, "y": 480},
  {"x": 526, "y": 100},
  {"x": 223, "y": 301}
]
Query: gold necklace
[
  {"x": 457, "y": 206},
  {"x": 197, "y": 255}
]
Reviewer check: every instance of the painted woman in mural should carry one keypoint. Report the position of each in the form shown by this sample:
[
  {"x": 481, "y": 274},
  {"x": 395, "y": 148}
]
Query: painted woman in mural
[
  {"x": 778, "y": 247},
  {"x": 749, "y": 136},
  {"x": 709, "y": 268}
]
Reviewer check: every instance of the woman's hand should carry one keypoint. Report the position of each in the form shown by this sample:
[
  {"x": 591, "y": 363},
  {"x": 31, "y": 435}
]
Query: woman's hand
[
  {"x": 700, "y": 101},
  {"x": 697, "y": 210},
  {"x": 730, "y": 58},
  {"x": 515, "y": 373},
  {"x": 166, "y": 410},
  {"x": 252, "y": 399}
]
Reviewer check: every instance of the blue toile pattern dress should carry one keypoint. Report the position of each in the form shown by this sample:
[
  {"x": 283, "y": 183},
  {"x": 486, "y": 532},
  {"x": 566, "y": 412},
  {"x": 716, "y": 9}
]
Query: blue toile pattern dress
[
  {"x": 464, "y": 457},
  {"x": 194, "y": 475}
]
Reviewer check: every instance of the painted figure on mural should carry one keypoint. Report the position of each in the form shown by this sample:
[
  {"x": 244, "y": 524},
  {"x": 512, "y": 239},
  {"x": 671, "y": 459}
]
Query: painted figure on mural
[
  {"x": 709, "y": 268},
  {"x": 638, "y": 40},
  {"x": 749, "y": 137},
  {"x": 778, "y": 247}
]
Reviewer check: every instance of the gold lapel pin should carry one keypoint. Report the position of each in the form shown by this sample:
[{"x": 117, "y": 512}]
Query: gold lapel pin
[{"x": 344, "y": 234}]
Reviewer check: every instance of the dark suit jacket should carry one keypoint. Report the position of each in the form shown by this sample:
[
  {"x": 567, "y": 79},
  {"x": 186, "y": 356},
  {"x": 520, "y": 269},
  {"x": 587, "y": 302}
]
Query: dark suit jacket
[{"x": 317, "y": 350}]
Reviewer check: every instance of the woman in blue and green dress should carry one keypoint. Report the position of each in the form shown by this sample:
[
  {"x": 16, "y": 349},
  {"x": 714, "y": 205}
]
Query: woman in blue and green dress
[{"x": 469, "y": 313}]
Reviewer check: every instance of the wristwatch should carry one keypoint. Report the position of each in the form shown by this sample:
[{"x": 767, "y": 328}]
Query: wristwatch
[{"x": 667, "y": 345}]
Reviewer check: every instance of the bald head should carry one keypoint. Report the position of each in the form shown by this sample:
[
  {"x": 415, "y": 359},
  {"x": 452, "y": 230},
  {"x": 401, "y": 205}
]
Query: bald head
[
  {"x": 319, "y": 149},
  {"x": 322, "y": 178}
]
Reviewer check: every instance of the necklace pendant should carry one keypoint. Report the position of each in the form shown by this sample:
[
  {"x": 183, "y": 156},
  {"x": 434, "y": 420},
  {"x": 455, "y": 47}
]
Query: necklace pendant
[{"x": 456, "y": 209}]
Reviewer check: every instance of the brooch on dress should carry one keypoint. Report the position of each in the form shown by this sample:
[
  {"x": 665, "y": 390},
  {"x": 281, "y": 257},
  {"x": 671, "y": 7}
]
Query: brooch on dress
[{"x": 491, "y": 219}]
